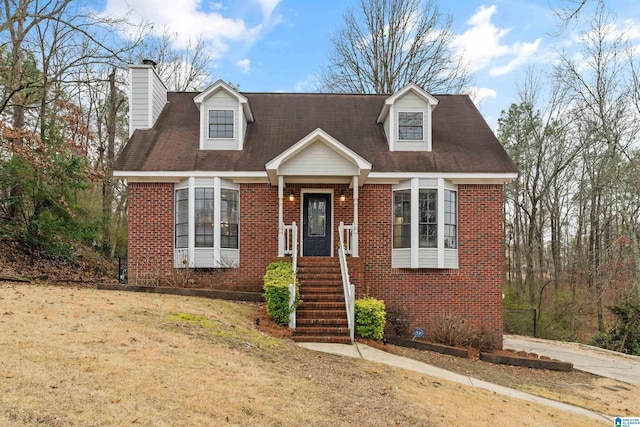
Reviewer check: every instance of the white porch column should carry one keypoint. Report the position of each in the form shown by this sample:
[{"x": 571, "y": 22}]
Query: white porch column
[
  {"x": 280, "y": 217},
  {"x": 217, "y": 202},
  {"x": 354, "y": 237},
  {"x": 415, "y": 222},
  {"x": 440, "y": 206}
]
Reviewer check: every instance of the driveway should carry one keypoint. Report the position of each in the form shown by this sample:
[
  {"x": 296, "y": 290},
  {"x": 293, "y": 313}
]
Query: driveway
[{"x": 586, "y": 358}]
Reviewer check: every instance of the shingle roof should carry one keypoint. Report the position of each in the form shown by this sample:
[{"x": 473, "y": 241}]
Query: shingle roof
[{"x": 462, "y": 141}]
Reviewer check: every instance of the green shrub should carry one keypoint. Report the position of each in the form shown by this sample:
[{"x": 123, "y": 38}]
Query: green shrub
[
  {"x": 624, "y": 336},
  {"x": 277, "y": 279},
  {"x": 370, "y": 317},
  {"x": 601, "y": 340}
]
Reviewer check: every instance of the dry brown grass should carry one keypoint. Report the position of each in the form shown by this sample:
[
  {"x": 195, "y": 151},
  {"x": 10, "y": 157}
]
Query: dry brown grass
[{"x": 83, "y": 357}]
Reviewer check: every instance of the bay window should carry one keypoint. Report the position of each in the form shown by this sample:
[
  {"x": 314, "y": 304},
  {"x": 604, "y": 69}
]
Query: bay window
[
  {"x": 425, "y": 219},
  {"x": 207, "y": 218}
]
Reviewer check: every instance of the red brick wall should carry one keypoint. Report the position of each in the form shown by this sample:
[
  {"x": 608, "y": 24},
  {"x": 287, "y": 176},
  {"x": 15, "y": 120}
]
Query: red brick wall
[
  {"x": 473, "y": 291},
  {"x": 150, "y": 242},
  {"x": 151, "y": 239}
]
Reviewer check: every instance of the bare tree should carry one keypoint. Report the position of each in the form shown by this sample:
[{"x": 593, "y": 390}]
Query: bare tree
[
  {"x": 598, "y": 87},
  {"x": 534, "y": 132},
  {"x": 387, "y": 44},
  {"x": 568, "y": 11},
  {"x": 181, "y": 69}
]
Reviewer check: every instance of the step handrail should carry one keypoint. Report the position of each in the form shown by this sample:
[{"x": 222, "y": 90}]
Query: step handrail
[{"x": 348, "y": 288}]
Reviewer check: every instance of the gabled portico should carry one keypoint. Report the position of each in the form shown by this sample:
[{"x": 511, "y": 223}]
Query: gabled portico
[{"x": 318, "y": 158}]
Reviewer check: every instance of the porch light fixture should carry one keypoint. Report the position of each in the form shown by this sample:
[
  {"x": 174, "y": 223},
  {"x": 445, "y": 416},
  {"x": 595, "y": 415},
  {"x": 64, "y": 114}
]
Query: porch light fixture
[
  {"x": 291, "y": 196},
  {"x": 343, "y": 196}
]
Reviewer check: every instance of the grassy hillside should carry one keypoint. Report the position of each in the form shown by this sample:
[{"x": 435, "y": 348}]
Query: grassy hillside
[{"x": 83, "y": 357}]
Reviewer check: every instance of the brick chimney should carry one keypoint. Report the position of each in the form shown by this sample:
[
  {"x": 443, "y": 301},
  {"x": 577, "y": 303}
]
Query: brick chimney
[{"x": 147, "y": 95}]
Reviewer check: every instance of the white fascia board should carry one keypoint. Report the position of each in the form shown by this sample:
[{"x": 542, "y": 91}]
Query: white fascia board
[
  {"x": 272, "y": 167},
  {"x": 327, "y": 139},
  {"x": 426, "y": 96},
  {"x": 221, "y": 85},
  {"x": 169, "y": 176},
  {"x": 454, "y": 177}
]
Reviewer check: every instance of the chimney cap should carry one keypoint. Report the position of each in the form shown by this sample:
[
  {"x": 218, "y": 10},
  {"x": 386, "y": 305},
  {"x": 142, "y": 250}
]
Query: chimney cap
[{"x": 149, "y": 62}]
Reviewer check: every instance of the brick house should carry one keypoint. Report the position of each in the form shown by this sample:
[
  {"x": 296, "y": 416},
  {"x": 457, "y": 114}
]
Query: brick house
[{"x": 221, "y": 181}]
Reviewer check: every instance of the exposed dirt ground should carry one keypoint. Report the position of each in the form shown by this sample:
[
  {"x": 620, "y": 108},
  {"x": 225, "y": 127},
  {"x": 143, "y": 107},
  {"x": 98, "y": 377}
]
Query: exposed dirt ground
[{"x": 82, "y": 357}]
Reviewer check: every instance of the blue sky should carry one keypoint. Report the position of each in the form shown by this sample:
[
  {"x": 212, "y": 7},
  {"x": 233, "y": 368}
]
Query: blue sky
[{"x": 280, "y": 45}]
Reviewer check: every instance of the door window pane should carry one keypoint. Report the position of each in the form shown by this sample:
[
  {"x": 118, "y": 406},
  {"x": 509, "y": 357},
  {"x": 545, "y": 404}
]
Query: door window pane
[{"x": 317, "y": 217}]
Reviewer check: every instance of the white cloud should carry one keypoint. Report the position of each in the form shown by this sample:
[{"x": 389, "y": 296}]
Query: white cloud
[
  {"x": 482, "y": 45},
  {"x": 267, "y": 7},
  {"x": 309, "y": 84},
  {"x": 480, "y": 94},
  {"x": 189, "y": 21},
  {"x": 525, "y": 52},
  {"x": 244, "y": 65}
]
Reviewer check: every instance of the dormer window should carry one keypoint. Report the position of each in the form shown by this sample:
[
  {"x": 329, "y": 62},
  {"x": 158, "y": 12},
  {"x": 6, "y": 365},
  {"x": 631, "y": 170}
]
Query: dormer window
[
  {"x": 406, "y": 117},
  {"x": 224, "y": 115},
  {"x": 220, "y": 124},
  {"x": 410, "y": 126}
]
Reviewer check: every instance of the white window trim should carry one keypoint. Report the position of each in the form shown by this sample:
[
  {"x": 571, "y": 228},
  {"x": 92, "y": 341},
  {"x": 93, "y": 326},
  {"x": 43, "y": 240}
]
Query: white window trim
[
  {"x": 217, "y": 184},
  {"x": 415, "y": 185},
  {"x": 233, "y": 122},
  {"x": 424, "y": 127}
]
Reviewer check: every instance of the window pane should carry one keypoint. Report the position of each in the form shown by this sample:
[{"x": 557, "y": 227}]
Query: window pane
[
  {"x": 428, "y": 208},
  {"x": 181, "y": 218},
  {"x": 410, "y": 126},
  {"x": 204, "y": 217},
  {"x": 220, "y": 123},
  {"x": 317, "y": 214},
  {"x": 402, "y": 219},
  {"x": 229, "y": 218},
  {"x": 450, "y": 219},
  {"x": 428, "y": 236}
]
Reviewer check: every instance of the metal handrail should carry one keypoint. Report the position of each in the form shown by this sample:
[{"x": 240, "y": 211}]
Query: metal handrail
[{"x": 349, "y": 289}]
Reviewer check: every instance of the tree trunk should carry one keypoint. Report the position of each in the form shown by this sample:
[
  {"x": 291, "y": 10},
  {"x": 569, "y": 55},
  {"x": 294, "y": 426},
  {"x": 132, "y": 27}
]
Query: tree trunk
[{"x": 107, "y": 182}]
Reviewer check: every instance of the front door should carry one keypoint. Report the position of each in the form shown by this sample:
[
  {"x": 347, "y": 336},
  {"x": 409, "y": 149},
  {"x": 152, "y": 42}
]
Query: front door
[{"x": 316, "y": 214}]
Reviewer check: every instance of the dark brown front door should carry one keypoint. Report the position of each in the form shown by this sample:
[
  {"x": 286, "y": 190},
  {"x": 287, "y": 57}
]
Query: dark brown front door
[{"x": 316, "y": 225}]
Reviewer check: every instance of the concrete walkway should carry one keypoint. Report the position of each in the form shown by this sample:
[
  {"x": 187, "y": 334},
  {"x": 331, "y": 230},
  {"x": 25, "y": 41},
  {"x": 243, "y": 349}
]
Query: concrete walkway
[
  {"x": 356, "y": 350},
  {"x": 586, "y": 358}
]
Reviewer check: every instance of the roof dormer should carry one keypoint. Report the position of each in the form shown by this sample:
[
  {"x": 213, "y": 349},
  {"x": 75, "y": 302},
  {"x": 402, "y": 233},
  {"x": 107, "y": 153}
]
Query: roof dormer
[
  {"x": 224, "y": 114},
  {"x": 406, "y": 116}
]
